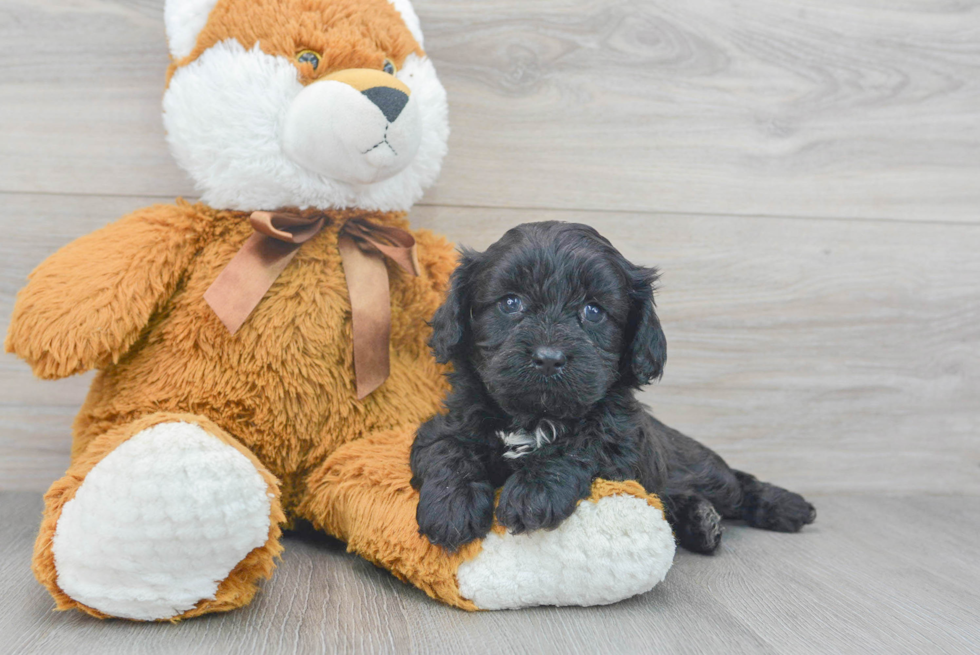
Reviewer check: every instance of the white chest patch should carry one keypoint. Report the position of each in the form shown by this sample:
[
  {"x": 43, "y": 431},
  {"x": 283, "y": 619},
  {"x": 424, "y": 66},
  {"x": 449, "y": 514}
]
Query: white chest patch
[{"x": 521, "y": 442}]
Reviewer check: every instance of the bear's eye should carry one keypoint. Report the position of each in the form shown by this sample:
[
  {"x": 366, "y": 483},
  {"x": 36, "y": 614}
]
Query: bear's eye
[
  {"x": 510, "y": 304},
  {"x": 593, "y": 313},
  {"x": 389, "y": 67},
  {"x": 308, "y": 57}
]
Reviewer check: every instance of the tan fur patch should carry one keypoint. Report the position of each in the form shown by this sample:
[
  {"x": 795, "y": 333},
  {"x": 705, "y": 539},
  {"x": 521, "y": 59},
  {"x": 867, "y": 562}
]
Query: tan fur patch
[{"x": 345, "y": 33}]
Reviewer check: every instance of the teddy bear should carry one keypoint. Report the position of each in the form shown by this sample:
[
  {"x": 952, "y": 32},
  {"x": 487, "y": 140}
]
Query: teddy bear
[{"x": 262, "y": 354}]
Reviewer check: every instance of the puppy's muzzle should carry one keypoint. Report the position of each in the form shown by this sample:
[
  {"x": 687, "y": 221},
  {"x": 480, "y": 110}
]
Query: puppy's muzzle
[{"x": 547, "y": 360}]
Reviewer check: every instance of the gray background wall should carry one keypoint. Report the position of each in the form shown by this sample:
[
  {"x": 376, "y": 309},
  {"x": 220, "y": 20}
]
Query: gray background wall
[{"x": 806, "y": 174}]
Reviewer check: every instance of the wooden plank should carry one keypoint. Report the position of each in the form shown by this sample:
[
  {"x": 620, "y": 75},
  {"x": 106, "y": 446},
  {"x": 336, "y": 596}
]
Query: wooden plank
[
  {"x": 775, "y": 107},
  {"x": 80, "y": 90},
  {"x": 872, "y": 575},
  {"x": 848, "y": 583},
  {"x": 824, "y": 355}
]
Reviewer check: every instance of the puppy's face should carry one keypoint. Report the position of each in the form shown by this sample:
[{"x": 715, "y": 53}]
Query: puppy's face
[{"x": 550, "y": 318}]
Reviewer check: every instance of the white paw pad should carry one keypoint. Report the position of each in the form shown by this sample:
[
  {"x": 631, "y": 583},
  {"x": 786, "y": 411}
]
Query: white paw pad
[
  {"x": 605, "y": 552},
  {"x": 159, "y": 523}
]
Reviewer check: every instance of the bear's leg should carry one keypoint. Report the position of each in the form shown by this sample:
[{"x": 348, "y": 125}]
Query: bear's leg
[
  {"x": 164, "y": 518},
  {"x": 617, "y": 543}
]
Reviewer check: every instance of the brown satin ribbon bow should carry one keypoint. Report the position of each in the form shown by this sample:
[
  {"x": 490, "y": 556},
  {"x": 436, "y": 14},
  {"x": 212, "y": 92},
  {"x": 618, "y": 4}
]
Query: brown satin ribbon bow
[{"x": 363, "y": 245}]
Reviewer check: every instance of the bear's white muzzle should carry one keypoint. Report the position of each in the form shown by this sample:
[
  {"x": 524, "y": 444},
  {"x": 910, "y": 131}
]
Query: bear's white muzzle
[{"x": 356, "y": 126}]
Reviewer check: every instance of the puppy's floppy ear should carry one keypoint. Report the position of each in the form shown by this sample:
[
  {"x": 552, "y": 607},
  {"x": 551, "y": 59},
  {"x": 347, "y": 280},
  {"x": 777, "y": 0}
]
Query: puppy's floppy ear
[
  {"x": 646, "y": 345},
  {"x": 451, "y": 323}
]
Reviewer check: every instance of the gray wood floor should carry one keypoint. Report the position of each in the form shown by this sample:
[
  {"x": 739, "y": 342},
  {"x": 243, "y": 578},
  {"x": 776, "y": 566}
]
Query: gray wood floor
[
  {"x": 807, "y": 176},
  {"x": 876, "y": 574}
]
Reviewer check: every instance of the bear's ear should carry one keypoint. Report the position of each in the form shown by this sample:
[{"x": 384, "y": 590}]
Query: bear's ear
[
  {"x": 405, "y": 8},
  {"x": 184, "y": 20}
]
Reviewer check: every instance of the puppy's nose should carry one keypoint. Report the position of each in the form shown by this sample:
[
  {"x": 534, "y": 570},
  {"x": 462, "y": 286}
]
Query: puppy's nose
[
  {"x": 390, "y": 101},
  {"x": 548, "y": 360}
]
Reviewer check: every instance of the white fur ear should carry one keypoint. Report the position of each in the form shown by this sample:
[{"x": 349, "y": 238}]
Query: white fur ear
[
  {"x": 184, "y": 20},
  {"x": 405, "y": 8}
]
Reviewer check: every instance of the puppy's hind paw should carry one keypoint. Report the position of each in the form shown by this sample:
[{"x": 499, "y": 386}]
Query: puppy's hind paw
[
  {"x": 770, "y": 507},
  {"x": 697, "y": 523}
]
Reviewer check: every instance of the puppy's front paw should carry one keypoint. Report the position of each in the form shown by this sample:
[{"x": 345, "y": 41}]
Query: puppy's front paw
[
  {"x": 534, "y": 502},
  {"x": 453, "y": 514}
]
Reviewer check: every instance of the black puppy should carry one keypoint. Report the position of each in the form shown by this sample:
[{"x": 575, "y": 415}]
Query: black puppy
[{"x": 550, "y": 332}]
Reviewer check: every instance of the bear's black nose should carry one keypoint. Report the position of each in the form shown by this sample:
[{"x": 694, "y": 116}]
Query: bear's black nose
[
  {"x": 389, "y": 101},
  {"x": 548, "y": 360}
]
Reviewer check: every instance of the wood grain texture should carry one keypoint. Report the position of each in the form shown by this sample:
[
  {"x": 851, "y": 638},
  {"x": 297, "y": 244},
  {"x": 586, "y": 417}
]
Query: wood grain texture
[
  {"x": 773, "y": 107},
  {"x": 873, "y": 575},
  {"x": 823, "y": 355}
]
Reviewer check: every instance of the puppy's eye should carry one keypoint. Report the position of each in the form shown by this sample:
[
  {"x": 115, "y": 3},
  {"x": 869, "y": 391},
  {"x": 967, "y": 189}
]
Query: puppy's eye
[
  {"x": 308, "y": 57},
  {"x": 510, "y": 304},
  {"x": 593, "y": 313},
  {"x": 389, "y": 67}
]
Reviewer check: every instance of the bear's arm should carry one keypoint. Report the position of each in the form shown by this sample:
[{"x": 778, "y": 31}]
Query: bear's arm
[{"x": 87, "y": 304}]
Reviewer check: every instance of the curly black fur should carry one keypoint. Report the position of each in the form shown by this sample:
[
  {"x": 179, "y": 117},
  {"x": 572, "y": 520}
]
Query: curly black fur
[{"x": 576, "y": 418}]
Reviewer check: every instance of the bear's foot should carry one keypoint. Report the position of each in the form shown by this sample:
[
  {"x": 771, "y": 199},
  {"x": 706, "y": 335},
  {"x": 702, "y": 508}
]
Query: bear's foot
[
  {"x": 615, "y": 545},
  {"x": 176, "y": 520}
]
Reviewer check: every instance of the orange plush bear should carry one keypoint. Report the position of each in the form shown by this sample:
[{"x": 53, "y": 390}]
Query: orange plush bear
[{"x": 245, "y": 377}]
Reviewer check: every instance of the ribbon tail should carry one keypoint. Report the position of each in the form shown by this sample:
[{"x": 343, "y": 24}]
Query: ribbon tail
[
  {"x": 396, "y": 244},
  {"x": 370, "y": 301},
  {"x": 406, "y": 256},
  {"x": 239, "y": 288}
]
